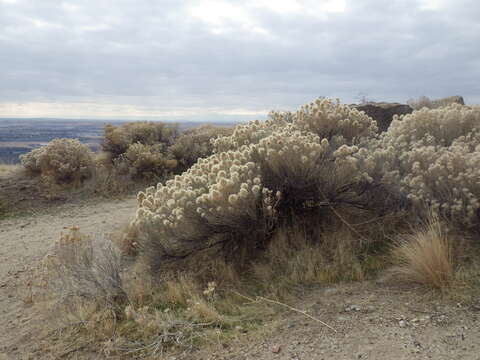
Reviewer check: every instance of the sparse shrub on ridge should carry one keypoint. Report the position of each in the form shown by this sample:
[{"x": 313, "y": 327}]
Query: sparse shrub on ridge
[
  {"x": 148, "y": 161},
  {"x": 117, "y": 139},
  {"x": 61, "y": 161},
  {"x": 140, "y": 149},
  {"x": 424, "y": 101}
]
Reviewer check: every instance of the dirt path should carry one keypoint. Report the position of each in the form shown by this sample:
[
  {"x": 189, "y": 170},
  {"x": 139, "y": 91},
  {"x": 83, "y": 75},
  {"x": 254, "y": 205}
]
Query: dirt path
[{"x": 23, "y": 243}]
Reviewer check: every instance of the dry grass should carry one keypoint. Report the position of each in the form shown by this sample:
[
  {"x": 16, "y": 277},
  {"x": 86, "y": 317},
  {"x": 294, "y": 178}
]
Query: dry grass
[
  {"x": 296, "y": 259},
  {"x": 84, "y": 267},
  {"x": 426, "y": 256},
  {"x": 8, "y": 169}
]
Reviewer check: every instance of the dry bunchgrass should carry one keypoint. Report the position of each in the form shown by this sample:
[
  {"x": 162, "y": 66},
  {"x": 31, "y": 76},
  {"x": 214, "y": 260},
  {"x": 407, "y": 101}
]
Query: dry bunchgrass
[
  {"x": 9, "y": 169},
  {"x": 296, "y": 259},
  {"x": 426, "y": 256}
]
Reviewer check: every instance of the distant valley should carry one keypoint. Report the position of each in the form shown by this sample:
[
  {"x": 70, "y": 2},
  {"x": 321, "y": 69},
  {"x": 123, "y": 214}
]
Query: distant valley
[{"x": 19, "y": 136}]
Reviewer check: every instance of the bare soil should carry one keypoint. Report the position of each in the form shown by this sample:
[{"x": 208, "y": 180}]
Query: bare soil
[
  {"x": 372, "y": 320},
  {"x": 24, "y": 242}
]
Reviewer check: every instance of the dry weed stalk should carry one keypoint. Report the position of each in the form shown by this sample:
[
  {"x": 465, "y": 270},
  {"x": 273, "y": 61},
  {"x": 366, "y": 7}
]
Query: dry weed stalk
[{"x": 303, "y": 312}]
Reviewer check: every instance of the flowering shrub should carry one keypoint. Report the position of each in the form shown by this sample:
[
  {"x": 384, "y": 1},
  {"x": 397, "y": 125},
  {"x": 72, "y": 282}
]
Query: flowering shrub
[
  {"x": 61, "y": 161},
  {"x": 433, "y": 157},
  {"x": 218, "y": 199},
  {"x": 196, "y": 143},
  {"x": 263, "y": 170},
  {"x": 325, "y": 118}
]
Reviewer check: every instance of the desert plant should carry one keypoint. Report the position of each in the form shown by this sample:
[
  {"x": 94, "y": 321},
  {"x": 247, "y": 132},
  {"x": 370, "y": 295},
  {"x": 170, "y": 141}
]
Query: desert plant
[
  {"x": 433, "y": 158},
  {"x": 331, "y": 120},
  {"x": 196, "y": 143},
  {"x": 424, "y": 101},
  {"x": 61, "y": 161},
  {"x": 85, "y": 267},
  {"x": 218, "y": 201},
  {"x": 425, "y": 256},
  {"x": 292, "y": 162},
  {"x": 117, "y": 139},
  {"x": 148, "y": 161},
  {"x": 140, "y": 150}
]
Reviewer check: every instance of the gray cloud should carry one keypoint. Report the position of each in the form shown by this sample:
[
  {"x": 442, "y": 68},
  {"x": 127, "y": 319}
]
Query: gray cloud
[{"x": 208, "y": 58}]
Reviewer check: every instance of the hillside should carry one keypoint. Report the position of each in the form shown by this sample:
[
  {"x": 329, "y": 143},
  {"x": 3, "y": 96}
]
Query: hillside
[{"x": 310, "y": 235}]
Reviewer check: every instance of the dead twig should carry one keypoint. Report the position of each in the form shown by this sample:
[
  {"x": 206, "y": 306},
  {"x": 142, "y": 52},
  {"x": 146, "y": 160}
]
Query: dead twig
[{"x": 303, "y": 312}]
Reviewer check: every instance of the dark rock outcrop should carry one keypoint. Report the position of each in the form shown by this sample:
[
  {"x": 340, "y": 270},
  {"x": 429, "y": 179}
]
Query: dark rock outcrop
[{"x": 383, "y": 112}]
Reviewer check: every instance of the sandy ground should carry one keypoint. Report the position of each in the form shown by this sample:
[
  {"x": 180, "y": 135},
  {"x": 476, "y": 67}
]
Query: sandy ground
[
  {"x": 24, "y": 241},
  {"x": 372, "y": 320}
]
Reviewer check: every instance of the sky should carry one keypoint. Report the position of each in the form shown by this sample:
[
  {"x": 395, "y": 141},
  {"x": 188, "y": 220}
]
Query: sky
[{"x": 230, "y": 60}]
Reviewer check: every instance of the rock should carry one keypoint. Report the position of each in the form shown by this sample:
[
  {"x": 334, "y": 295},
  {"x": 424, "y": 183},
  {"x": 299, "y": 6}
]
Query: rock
[
  {"x": 349, "y": 308},
  {"x": 402, "y": 323},
  {"x": 383, "y": 113}
]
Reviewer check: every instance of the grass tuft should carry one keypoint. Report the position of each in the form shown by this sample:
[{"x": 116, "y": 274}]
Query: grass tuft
[{"x": 426, "y": 256}]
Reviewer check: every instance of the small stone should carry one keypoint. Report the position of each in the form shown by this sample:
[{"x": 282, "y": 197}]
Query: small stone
[
  {"x": 330, "y": 291},
  {"x": 402, "y": 323}
]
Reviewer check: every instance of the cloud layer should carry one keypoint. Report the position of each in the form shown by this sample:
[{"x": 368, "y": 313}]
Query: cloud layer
[{"x": 230, "y": 59}]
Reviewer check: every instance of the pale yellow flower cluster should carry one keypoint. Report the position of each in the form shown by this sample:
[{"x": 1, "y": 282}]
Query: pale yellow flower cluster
[
  {"x": 325, "y": 118},
  {"x": 323, "y": 152},
  {"x": 330, "y": 119},
  {"x": 248, "y": 134},
  {"x": 220, "y": 190},
  {"x": 433, "y": 157},
  {"x": 292, "y": 156},
  {"x": 240, "y": 185}
]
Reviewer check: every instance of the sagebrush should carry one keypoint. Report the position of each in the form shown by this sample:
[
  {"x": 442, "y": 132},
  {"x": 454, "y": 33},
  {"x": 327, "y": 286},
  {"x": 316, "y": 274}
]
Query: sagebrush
[{"x": 61, "y": 161}]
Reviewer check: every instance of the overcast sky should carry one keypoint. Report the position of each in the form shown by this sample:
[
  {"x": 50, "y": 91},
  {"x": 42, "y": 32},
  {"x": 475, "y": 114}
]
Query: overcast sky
[{"x": 209, "y": 59}]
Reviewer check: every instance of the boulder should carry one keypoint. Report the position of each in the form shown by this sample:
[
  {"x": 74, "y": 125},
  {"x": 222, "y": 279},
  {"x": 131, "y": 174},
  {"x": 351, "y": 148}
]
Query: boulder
[{"x": 383, "y": 112}]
